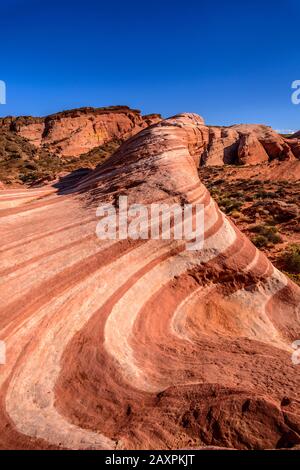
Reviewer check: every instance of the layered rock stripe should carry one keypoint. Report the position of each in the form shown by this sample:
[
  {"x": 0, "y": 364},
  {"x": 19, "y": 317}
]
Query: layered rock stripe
[{"x": 141, "y": 344}]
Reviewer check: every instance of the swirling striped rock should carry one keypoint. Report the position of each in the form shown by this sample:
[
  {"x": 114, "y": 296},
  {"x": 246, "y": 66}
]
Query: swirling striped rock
[{"x": 135, "y": 344}]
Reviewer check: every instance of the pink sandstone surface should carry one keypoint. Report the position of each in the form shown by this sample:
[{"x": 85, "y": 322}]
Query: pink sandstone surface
[{"x": 130, "y": 344}]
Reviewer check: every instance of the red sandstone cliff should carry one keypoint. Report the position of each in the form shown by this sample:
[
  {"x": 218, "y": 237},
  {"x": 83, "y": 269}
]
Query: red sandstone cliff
[
  {"x": 74, "y": 132},
  {"x": 249, "y": 144}
]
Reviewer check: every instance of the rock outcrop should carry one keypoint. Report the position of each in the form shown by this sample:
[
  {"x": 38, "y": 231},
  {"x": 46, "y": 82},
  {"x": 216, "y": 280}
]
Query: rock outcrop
[
  {"x": 36, "y": 150},
  {"x": 296, "y": 135},
  {"x": 221, "y": 148},
  {"x": 249, "y": 144},
  {"x": 74, "y": 132},
  {"x": 79, "y": 131},
  {"x": 142, "y": 343},
  {"x": 251, "y": 151},
  {"x": 294, "y": 144}
]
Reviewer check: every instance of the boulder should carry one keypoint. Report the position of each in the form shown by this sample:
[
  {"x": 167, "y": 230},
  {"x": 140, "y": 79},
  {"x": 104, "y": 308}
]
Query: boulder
[{"x": 251, "y": 151}]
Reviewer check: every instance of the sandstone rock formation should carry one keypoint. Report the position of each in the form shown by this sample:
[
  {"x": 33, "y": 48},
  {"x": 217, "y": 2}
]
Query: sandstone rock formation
[
  {"x": 296, "y": 135},
  {"x": 36, "y": 150},
  {"x": 294, "y": 144},
  {"x": 251, "y": 151},
  {"x": 221, "y": 148},
  {"x": 74, "y": 132},
  {"x": 141, "y": 343},
  {"x": 248, "y": 144}
]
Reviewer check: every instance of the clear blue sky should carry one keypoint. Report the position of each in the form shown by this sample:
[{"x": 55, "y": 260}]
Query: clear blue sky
[{"x": 228, "y": 61}]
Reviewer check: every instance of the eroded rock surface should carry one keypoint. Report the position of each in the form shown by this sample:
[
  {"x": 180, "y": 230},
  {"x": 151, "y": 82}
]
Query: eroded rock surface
[
  {"x": 74, "y": 132},
  {"x": 141, "y": 343},
  {"x": 248, "y": 144}
]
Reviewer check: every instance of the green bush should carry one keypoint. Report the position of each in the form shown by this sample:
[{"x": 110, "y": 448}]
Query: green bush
[
  {"x": 262, "y": 194},
  {"x": 236, "y": 214},
  {"x": 260, "y": 241},
  {"x": 228, "y": 205},
  {"x": 267, "y": 234},
  {"x": 291, "y": 259}
]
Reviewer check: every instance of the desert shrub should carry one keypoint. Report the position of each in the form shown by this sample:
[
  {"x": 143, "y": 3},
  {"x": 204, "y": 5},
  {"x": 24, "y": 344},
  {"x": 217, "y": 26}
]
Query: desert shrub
[
  {"x": 262, "y": 194},
  {"x": 270, "y": 222},
  {"x": 262, "y": 211},
  {"x": 219, "y": 181},
  {"x": 291, "y": 259},
  {"x": 30, "y": 166},
  {"x": 260, "y": 241},
  {"x": 228, "y": 205},
  {"x": 28, "y": 177},
  {"x": 266, "y": 234},
  {"x": 215, "y": 192},
  {"x": 236, "y": 214},
  {"x": 280, "y": 192},
  {"x": 238, "y": 194}
]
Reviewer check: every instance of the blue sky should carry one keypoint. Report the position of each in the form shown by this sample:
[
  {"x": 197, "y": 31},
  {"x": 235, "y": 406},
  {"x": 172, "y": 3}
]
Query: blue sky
[{"x": 230, "y": 61}]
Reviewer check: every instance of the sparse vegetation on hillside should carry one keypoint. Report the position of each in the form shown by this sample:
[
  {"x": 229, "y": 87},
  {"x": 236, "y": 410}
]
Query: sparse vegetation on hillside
[
  {"x": 268, "y": 212},
  {"x": 266, "y": 234},
  {"x": 290, "y": 262},
  {"x": 22, "y": 163}
]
